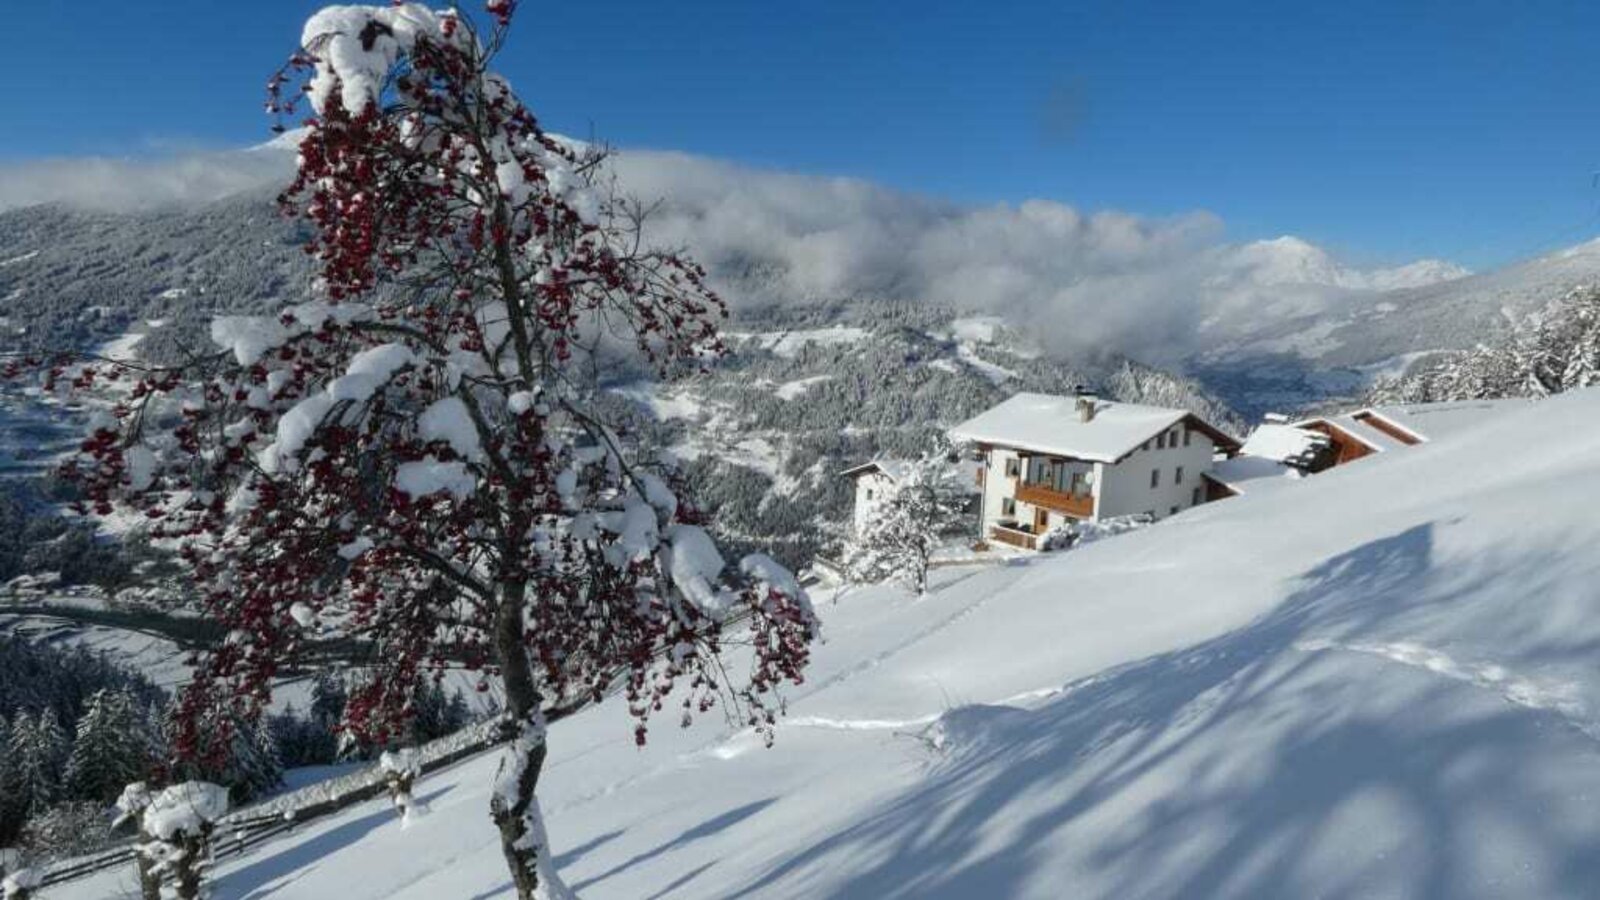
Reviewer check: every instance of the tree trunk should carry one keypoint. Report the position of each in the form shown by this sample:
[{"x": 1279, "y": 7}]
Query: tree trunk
[{"x": 514, "y": 806}]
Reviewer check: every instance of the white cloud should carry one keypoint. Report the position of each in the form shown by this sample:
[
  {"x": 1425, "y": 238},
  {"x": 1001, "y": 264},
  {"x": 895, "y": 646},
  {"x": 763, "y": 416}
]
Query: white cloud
[
  {"x": 119, "y": 185},
  {"x": 1155, "y": 288}
]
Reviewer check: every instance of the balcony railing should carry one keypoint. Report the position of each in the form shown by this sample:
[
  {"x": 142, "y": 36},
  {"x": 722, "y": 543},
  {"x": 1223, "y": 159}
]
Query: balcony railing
[
  {"x": 1014, "y": 536},
  {"x": 1079, "y": 505}
]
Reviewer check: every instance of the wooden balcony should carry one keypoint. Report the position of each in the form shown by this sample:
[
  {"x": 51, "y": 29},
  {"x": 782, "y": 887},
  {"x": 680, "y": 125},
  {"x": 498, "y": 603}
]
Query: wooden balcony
[
  {"x": 1015, "y": 537},
  {"x": 1078, "y": 505}
]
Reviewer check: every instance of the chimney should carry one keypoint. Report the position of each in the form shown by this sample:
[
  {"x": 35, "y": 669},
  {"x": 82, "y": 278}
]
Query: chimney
[{"x": 1086, "y": 403}]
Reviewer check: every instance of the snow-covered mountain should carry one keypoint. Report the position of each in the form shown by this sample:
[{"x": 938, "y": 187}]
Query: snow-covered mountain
[
  {"x": 1289, "y": 260},
  {"x": 1293, "y": 356},
  {"x": 1394, "y": 697}
]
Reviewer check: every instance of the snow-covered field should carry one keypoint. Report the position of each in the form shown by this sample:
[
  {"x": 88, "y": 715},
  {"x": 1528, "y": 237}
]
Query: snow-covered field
[{"x": 1377, "y": 682}]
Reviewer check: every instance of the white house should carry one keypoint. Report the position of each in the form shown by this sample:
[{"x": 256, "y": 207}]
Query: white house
[
  {"x": 1047, "y": 459},
  {"x": 873, "y": 480}
]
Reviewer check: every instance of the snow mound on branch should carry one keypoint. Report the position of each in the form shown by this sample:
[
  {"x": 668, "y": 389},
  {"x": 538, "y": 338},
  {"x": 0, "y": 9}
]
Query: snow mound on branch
[
  {"x": 248, "y": 337},
  {"x": 768, "y": 573},
  {"x": 294, "y": 429},
  {"x": 695, "y": 565},
  {"x": 369, "y": 370},
  {"x": 448, "y": 420},
  {"x": 355, "y": 47},
  {"x": 429, "y": 476}
]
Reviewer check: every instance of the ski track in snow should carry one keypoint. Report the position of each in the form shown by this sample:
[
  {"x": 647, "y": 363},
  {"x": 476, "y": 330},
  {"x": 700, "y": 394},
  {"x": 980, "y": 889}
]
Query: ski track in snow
[
  {"x": 1517, "y": 691},
  {"x": 858, "y": 724},
  {"x": 880, "y": 658}
]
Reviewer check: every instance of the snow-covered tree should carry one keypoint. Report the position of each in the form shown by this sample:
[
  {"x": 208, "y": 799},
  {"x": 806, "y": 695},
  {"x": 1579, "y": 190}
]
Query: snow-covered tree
[
  {"x": 13, "y": 811},
  {"x": 913, "y": 516},
  {"x": 112, "y": 747},
  {"x": 416, "y": 463},
  {"x": 1555, "y": 350},
  {"x": 37, "y": 750}
]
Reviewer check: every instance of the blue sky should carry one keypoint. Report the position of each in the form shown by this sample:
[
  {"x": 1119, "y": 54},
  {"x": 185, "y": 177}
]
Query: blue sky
[{"x": 1385, "y": 131}]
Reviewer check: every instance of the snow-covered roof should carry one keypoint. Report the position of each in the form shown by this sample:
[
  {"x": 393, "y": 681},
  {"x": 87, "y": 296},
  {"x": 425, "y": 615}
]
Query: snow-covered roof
[
  {"x": 1391, "y": 427},
  {"x": 1285, "y": 444},
  {"x": 894, "y": 468},
  {"x": 1045, "y": 423},
  {"x": 1252, "y": 474}
]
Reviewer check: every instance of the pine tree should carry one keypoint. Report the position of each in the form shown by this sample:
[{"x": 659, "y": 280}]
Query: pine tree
[
  {"x": 12, "y": 809},
  {"x": 1554, "y": 350},
  {"x": 112, "y": 748},
  {"x": 328, "y": 697},
  {"x": 37, "y": 748},
  {"x": 912, "y": 519},
  {"x": 254, "y": 766}
]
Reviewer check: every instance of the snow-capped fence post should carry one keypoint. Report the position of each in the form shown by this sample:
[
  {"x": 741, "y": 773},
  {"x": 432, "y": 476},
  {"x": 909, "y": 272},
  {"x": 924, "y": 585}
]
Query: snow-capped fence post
[
  {"x": 19, "y": 884},
  {"x": 400, "y": 771},
  {"x": 131, "y": 804},
  {"x": 175, "y": 829}
]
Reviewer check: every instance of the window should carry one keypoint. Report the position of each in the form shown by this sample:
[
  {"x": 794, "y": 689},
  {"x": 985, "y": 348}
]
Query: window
[
  {"x": 1173, "y": 512},
  {"x": 1186, "y": 435},
  {"x": 1177, "y": 477},
  {"x": 1173, "y": 440},
  {"x": 1008, "y": 507},
  {"x": 1161, "y": 441},
  {"x": 1194, "y": 497},
  {"x": 1155, "y": 478},
  {"x": 1013, "y": 467},
  {"x": 869, "y": 493},
  {"x": 1147, "y": 445}
]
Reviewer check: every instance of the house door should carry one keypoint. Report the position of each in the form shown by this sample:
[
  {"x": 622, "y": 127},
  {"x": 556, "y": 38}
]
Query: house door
[{"x": 1041, "y": 520}]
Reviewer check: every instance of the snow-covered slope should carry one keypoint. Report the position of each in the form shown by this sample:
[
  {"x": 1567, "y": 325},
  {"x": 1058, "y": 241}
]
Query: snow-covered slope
[{"x": 1379, "y": 682}]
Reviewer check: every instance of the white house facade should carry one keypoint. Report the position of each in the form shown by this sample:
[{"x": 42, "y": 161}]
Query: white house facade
[
  {"x": 1047, "y": 460},
  {"x": 873, "y": 481}
]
